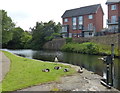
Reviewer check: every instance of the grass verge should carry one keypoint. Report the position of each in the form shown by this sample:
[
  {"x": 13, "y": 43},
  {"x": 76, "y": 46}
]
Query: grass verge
[{"x": 28, "y": 72}]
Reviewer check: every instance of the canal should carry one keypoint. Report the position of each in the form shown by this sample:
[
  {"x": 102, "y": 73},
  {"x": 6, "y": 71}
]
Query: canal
[{"x": 90, "y": 62}]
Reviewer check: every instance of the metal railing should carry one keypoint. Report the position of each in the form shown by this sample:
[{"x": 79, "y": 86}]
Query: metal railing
[
  {"x": 109, "y": 21},
  {"x": 89, "y": 28}
]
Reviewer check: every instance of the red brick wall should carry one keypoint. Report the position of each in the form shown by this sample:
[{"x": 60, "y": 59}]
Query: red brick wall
[
  {"x": 113, "y": 12},
  {"x": 119, "y": 9},
  {"x": 70, "y": 25},
  {"x": 99, "y": 20},
  {"x": 87, "y": 21}
]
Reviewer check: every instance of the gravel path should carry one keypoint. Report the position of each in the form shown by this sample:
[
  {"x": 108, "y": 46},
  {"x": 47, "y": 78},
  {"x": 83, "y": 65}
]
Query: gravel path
[{"x": 4, "y": 65}]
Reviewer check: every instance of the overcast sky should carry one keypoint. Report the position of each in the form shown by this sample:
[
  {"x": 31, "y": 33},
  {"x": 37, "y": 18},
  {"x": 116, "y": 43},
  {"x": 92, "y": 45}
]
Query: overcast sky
[{"x": 25, "y": 13}]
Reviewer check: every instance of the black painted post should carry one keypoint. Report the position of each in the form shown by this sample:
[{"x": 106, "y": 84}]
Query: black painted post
[
  {"x": 119, "y": 24},
  {"x": 107, "y": 75},
  {"x": 112, "y": 55}
]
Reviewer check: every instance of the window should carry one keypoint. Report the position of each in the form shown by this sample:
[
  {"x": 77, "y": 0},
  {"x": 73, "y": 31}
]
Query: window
[
  {"x": 113, "y": 19},
  {"x": 70, "y": 35},
  {"x": 113, "y": 7},
  {"x": 90, "y": 26},
  {"x": 64, "y": 29},
  {"x": 74, "y": 22},
  {"x": 90, "y": 16},
  {"x": 65, "y": 20},
  {"x": 80, "y": 22}
]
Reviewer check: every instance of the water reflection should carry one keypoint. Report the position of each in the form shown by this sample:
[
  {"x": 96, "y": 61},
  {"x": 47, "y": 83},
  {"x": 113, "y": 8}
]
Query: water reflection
[{"x": 90, "y": 62}]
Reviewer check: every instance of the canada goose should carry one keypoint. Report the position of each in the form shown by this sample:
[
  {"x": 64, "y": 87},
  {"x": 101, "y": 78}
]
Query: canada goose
[
  {"x": 66, "y": 70},
  {"x": 80, "y": 70},
  {"x": 57, "y": 67},
  {"x": 56, "y": 59},
  {"x": 46, "y": 70}
]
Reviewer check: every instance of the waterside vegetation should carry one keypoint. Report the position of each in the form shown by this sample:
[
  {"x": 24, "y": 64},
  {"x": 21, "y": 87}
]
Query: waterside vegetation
[{"x": 88, "y": 48}]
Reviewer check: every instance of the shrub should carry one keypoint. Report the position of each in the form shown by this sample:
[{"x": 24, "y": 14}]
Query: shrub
[
  {"x": 89, "y": 48},
  {"x": 68, "y": 40}
]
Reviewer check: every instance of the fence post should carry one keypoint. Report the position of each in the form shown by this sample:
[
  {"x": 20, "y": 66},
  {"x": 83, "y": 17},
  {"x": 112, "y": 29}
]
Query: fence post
[
  {"x": 119, "y": 24},
  {"x": 112, "y": 55}
]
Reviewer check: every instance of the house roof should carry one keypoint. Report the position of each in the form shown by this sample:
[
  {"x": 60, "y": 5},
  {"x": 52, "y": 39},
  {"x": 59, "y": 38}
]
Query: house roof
[
  {"x": 81, "y": 11},
  {"x": 112, "y": 1}
]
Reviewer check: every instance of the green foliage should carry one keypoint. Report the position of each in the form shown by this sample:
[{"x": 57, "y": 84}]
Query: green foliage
[
  {"x": 88, "y": 48},
  {"x": 28, "y": 72},
  {"x": 68, "y": 40},
  {"x": 7, "y": 26},
  {"x": 26, "y": 39},
  {"x": 15, "y": 37},
  {"x": 44, "y": 32},
  {"x": 20, "y": 39}
]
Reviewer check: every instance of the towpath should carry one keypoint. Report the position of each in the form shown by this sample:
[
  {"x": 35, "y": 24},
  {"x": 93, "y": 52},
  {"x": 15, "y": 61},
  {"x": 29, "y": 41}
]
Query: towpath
[{"x": 4, "y": 65}]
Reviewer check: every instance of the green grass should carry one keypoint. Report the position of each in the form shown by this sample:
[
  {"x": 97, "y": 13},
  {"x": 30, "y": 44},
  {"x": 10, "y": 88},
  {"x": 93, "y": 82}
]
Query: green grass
[
  {"x": 28, "y": 72},
  {"x": 88, "y": 48}
]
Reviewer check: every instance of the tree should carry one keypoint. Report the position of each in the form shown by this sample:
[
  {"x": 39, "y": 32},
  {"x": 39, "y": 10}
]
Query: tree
[
  {"x": 44, "y": 32},
  {"x": 26, "y": 39},
  {"x": 16, "y": 40},
  {"x": 7, "y": 26}
]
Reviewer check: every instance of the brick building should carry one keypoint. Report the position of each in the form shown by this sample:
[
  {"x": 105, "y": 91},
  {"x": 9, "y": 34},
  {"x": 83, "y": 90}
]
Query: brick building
[
  {"x": 82, "y": 22},
  {"x": 113, "y": 15}
]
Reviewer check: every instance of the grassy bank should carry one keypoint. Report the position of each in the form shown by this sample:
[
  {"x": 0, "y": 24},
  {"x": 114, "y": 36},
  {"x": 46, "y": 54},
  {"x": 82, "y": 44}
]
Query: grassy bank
[
  {"x": 28, "y": 72},
  {"x": 88, "y": 48}
]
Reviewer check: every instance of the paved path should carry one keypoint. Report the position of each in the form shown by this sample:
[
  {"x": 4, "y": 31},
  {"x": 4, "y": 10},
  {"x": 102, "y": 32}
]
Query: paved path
[{"x": 4, "y": 65}]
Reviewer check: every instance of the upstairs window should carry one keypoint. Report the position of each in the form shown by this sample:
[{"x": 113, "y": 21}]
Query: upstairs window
[
  {"x": 90, "y": 26},
  {"x": 113, "y": 7},
  {"x": 74, "y": 22},
  {"x": 113, "y": 19},
  {"x": 65, "y": 20},
  {"x": 80, "y": 22},
  {"x": 90, "y": 16}
]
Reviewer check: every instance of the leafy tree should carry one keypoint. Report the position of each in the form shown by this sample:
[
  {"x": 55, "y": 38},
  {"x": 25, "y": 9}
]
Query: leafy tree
[
  {"x": 44, "y": 32},
  {"x": 7, "y": 26},
  {"x": 26, "y": 39},
  {"x": 16, "y": 40}
]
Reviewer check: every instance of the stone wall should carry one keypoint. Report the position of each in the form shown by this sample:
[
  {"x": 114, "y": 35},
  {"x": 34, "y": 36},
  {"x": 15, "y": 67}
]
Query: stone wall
[
  {"x": 56, "y": 44},
  {"x": 105, "y": 40}
]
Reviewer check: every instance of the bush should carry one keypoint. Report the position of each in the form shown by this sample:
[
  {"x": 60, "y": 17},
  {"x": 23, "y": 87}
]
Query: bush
[
  {"x": 68, "y": 40},
  {"x": 86, "y": 48},
  {"x": 89, "y": 48}
]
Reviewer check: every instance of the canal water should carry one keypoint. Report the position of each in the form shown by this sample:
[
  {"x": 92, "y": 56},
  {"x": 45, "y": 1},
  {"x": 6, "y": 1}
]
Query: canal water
[{"x": 90, "y": 62}]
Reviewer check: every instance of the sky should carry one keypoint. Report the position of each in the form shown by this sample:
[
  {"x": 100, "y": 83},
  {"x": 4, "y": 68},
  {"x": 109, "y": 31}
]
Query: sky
[{"x": 25, "y": 13}]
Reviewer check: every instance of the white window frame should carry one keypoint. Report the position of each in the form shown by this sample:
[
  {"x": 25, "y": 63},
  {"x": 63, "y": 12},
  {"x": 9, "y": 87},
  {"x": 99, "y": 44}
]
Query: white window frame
[
  {"x": 80, "y": 20},
  {"x": 66, "y": 20},
  {"x": 90, "y": 16},
  {"x": 113, "y": 7},
  {"x": 90, "y": 26},
  {"x": 74, "y": 23},
  {"x": 113, "y": 19}
]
